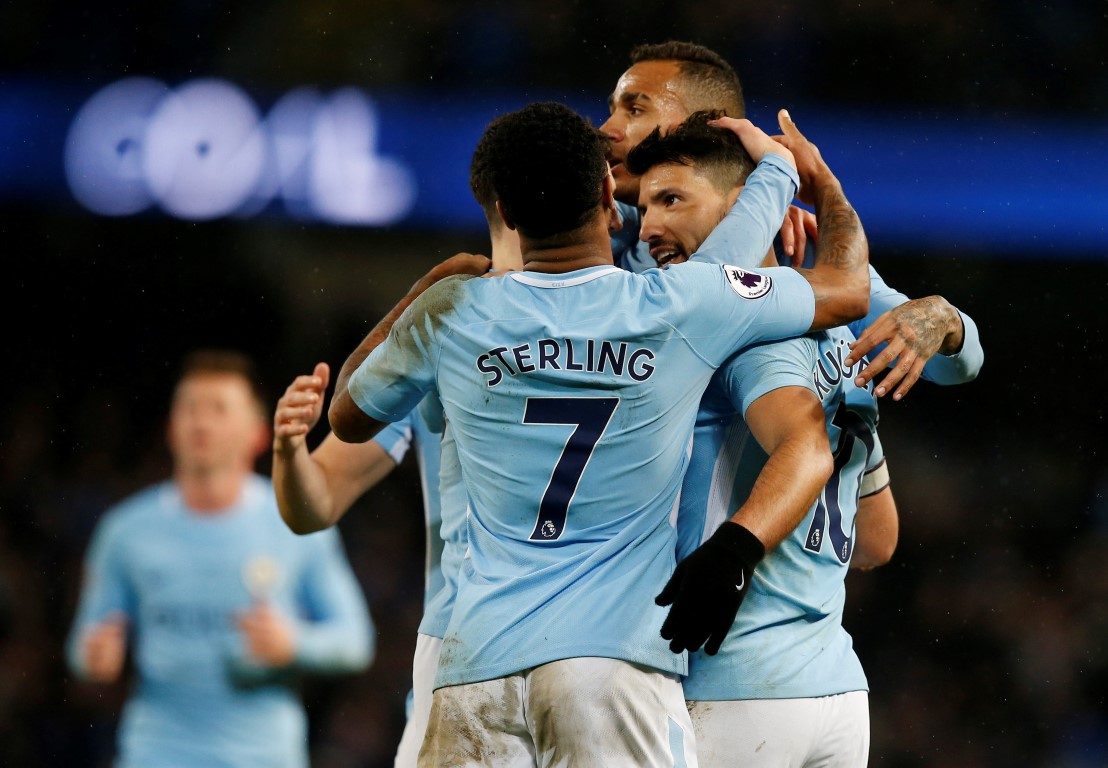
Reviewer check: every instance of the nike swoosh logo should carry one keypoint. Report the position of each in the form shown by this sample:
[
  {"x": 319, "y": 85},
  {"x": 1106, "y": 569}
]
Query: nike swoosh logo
[{"x": 741, "y": 584}]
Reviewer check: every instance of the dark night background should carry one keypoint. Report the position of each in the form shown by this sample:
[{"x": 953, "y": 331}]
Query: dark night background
[{"x": 985, "y": 640}]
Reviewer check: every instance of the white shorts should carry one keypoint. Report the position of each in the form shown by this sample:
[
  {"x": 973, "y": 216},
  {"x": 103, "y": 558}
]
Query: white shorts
[
  {"x": 424, "y": 665},
  {"x": 574, "y": 712},
  {"x": 823, "y": 732}
]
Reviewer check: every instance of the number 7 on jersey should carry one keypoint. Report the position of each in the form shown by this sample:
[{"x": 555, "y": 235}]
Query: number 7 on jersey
[{"x": 590, "y": 417}]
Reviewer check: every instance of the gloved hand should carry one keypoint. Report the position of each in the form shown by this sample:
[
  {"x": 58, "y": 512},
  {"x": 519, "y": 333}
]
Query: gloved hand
[{"x": 708, "y": 587}]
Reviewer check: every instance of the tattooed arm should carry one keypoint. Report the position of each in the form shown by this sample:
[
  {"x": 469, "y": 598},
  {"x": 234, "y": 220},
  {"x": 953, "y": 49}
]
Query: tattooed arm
[
  {"x": 840, "y": 275},
  {"x": 916, "y": 331}
]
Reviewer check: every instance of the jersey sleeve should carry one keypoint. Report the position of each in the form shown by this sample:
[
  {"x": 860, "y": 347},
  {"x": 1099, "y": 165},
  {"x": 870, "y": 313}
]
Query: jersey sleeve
[
  {"x": 396, "y": 375},
  {"x": 396, "y": 438},
  {"x": 746, "y": 233},
  {"x": 876, "y": 476},
  {"x": 722, "y": 309},
  {"x": 105, "y": 589},
  {"x": 958, "y": 368},
  {"x": 336, "y": 633},
  {"x": 762, "y": 368}
]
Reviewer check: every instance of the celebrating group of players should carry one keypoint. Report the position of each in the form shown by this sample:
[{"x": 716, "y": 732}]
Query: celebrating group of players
[
  {"x": 643, "y": 486},
  {"x": 646, "y": 485}
]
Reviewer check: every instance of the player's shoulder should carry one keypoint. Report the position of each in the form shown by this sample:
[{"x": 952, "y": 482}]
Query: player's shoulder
[
  {"x": 143, "y": 503},
  {"x": 770, "y": 364},
  {"x": 141, "y": 509},
  {"x": 802, "y": 351},
  {"x": 450, "y": 294}
]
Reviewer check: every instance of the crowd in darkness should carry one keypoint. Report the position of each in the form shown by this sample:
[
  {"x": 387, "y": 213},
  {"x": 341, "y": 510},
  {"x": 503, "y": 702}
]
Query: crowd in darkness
[
  {"x": 985, "y": 56},
  {"x": 984, "y": 639}
]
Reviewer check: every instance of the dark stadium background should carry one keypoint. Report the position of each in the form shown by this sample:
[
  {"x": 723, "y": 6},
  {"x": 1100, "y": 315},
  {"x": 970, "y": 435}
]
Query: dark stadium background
[{"x": 985, "y": 640}]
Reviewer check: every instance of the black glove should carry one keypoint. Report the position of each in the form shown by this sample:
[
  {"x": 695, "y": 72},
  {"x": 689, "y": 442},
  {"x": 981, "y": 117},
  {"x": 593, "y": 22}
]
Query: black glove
[{"x": 708, "y": 587}]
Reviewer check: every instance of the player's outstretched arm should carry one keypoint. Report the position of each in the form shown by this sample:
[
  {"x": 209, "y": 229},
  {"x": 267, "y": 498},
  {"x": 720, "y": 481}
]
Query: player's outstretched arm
[
  {"x": 349, "y": 422},
  {"x": 708, "y": 587},
  {"x": 315, "y": 489}
]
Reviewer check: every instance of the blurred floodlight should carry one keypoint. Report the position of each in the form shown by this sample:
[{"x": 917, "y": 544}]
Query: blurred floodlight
[
  {"x": 205, "y": 150},
  {"x": 350, "y": 183},
  {"x": 105, "y": 147}
]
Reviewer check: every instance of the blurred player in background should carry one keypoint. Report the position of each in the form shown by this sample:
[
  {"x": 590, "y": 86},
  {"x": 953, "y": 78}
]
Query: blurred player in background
[
  {"x": 589, "y": 377},
  {"x": 780, "y": 683},
  {"x": 314, "y": 490},
  {"x": 669, "y": 81},
  {"x": 220, "y": 605}
]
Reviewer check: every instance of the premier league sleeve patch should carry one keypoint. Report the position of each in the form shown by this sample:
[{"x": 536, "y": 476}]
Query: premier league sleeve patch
[{"x": 749, "y": 285}]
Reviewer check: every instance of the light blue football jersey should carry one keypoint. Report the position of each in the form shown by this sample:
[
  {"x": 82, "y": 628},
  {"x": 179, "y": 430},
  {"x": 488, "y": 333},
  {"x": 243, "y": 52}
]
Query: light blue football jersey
[
  {"x": 788, "y": 640},
  {"x": 558, "y": 388},
  {"x": 452, "y": 533},
  {"x": 182, "y": 578},
  {"x": 423, "y": 427}
]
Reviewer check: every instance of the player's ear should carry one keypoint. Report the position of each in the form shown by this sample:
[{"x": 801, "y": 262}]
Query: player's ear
[
  {"x": 262, "y": 441},
  {"x": 608, "y": 192},
  {"x": 504, "y": 216}
]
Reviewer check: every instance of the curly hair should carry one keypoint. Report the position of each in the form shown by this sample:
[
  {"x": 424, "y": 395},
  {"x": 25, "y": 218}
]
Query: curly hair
[
  {"x": 710, "y": 81},
  {"x": 545, "y": 164},
  {"x": 715, "y": 152}
]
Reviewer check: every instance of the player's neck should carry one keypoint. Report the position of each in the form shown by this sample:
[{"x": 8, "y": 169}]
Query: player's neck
[
  {"x": 505, "y": 250},
  {"x": 209, "y": 492},
  {"x": 587, "y": 246}
]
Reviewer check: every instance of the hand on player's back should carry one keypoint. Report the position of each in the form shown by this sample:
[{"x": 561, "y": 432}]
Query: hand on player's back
[
  {"x": 462, "y": 264},
  {"x": 707, "y": 588}
]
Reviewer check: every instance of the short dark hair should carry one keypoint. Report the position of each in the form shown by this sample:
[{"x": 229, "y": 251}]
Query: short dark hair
[
  {"x": 480, "y": 184},
  {"x": 200, "y": 362},
  {"x": 546, "y": 165},
  {"x": 712, "y": 83},
  {"x": 715, "y": 152}
]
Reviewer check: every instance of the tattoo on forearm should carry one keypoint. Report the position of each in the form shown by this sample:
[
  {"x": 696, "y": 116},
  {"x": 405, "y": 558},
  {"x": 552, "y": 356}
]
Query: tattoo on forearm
[{"x": 842, "y": 244}]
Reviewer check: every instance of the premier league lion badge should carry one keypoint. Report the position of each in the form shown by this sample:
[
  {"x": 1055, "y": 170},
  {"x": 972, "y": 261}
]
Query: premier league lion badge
[{"x": 749, "y": 285}]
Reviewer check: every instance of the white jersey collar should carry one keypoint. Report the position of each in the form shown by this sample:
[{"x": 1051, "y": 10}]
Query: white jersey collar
[{"x": 567, "y": 280}]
